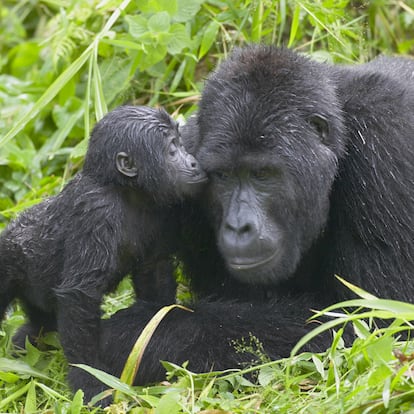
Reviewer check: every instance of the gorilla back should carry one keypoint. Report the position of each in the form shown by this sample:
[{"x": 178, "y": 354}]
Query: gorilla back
[{"x": 311, "y": 174}]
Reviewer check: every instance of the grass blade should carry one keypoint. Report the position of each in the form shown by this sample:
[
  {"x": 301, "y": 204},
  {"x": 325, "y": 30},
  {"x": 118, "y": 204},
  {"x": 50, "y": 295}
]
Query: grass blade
[
  {"x": 294, "y": 26},
  {"x": 134, "y": 359},
  {"x": 108, "y": 379},
  {"x": 357, "y": 290}
]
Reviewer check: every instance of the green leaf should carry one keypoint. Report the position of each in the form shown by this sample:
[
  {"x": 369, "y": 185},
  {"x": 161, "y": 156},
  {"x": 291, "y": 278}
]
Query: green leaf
[
  {"x": 20, "y": 368},
  {"x": 379, "y": 375},
  {"x": 170, "y": 6},
  {"x": 23, "y": 57},
  {"x": 319, "y": 366},
  {"x": 9, "y": 377},
  {"x": 108, "y": 379},
  {"x": 266, "y": 375},
  {"x": 30, "y": 403},
  {"x": 209, "y": 36},
  {"x": 155, "y": 55},
  {"x": 187, "y": 9},
  {"x": 159, "y": 22},
  {"x": 169, "y": 404},
  {"x": 77, "y": 403},
  {"x": 381, "y": 350},
  {"x": 179, "y": 39},
  {"x": 137, "y": 25},
  {"x": 115, "y": 73}
]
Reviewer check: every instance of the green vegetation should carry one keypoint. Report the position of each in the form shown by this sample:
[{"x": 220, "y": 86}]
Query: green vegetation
[{"x": 64, "y": 64}]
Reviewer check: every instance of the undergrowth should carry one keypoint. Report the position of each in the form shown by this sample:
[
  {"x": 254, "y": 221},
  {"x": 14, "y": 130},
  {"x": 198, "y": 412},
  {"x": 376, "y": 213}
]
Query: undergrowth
[{"x": 374, "y": 374}]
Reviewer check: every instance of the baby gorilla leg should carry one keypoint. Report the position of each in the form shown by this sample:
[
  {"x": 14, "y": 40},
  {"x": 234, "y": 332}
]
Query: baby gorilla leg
[{"x": 39, "y": 323}]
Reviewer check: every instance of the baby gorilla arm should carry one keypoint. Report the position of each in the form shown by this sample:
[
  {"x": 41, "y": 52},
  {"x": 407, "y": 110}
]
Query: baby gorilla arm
[{"x": 89, "y": 271}]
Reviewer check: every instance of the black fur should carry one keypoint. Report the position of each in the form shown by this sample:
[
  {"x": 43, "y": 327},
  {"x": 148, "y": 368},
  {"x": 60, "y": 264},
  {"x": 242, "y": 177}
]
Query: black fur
[
  {"x": 115, "y": 217},
  {"x": 311, "y": 171},
  {"x": 208, "y": 337}
]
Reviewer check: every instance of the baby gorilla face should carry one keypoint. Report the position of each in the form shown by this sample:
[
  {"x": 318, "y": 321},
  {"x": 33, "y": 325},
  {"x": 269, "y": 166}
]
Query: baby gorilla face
[
  {"x": 185, "y": 171},
  {"x": 152, "y": 157}
]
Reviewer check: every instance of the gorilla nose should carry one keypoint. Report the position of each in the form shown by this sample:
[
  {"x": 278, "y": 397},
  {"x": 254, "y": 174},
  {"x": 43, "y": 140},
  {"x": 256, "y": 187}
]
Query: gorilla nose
[
  {"x": 239, "y": 234},
  {"x": 242, "y": 229}
]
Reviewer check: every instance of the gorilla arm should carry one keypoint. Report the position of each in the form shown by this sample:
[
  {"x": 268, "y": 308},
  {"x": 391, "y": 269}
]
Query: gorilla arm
[
  {"x": 369, "y": 232},
  {"x": 205, "y": 337}
]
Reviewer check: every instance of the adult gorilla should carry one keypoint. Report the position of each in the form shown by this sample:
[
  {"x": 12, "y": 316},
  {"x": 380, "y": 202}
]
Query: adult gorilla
[{"x": 311, "y": 171}]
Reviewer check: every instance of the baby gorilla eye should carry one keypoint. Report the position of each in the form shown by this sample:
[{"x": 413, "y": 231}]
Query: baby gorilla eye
[
  {"x": 172, "y": 148},
  {"x": 321, "y": 126}
]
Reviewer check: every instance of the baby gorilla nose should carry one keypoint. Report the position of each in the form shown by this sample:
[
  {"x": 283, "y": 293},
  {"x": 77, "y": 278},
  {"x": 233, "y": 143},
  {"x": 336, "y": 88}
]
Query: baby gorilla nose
[
  {"x": 192, "y": 163},
  {"x": 196, "y": 173}
]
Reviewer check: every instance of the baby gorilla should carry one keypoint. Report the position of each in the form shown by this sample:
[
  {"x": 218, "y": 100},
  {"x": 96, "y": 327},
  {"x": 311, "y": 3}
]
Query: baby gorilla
[{"x": 116, "y": 217}]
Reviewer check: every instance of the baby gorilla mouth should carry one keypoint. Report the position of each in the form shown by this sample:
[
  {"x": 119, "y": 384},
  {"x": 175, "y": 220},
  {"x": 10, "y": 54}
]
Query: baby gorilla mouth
[{"x": 201, "y": 177}]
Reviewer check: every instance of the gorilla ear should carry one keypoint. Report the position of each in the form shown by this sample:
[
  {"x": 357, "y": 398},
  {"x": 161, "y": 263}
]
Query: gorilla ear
[
  {"x": 320, "y": 123},
  {"x": 125, "y": 165}
]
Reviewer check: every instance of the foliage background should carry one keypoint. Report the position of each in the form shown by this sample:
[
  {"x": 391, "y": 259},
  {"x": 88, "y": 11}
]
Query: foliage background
[{"x": 64, "y": 64}]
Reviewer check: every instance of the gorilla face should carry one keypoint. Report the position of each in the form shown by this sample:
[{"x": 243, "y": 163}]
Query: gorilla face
[{"x": 270, "y": 134}]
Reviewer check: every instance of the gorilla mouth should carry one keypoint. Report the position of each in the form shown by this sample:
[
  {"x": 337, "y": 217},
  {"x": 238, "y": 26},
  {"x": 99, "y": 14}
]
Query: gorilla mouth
[
  {"x": 202, "y": 178},
  {"x": 244, "y": 265}
]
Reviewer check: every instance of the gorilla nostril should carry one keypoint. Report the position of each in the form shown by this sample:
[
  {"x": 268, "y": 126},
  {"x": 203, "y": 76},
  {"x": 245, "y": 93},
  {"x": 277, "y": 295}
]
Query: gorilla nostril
[
  {"x": 245, "y": 229},
  {"x": 240, "y": 230}
]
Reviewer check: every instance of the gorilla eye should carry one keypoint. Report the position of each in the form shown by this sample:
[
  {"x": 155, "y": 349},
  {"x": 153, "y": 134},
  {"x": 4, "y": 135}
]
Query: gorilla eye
[
  {"x": 221, "y": 175},
  {"x": 320, "y": 123},
  {"x": 262, "y": 174}
]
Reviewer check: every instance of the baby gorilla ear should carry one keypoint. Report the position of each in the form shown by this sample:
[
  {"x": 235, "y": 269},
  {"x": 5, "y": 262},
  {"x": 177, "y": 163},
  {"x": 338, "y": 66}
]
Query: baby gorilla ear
[
  {"x": 320, "y": 123},
  {"x": 125, "y": 165}
]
